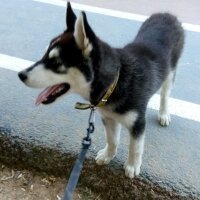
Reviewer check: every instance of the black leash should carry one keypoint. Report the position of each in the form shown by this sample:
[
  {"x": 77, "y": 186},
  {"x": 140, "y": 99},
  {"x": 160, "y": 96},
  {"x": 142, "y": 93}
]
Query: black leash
[{"x": 86, "y": 142}]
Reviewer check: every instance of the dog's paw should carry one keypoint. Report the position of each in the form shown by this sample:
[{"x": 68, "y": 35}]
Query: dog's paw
[
  {"x": 132, "y": 170},
  {"x": 164, "y": 119},
  {"x": 104, "y": 156}
]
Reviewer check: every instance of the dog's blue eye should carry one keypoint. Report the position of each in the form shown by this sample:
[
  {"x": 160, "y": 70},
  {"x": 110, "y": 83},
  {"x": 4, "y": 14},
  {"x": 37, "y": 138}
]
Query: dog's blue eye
[{"x": 56, "y": 62}]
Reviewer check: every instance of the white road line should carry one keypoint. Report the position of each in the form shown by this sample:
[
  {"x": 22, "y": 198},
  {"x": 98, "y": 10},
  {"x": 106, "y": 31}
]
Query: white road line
[
  {"x": 178, "y": 107},
  {"x": 13, "y": 63},
  {"x": 114, "y": 13}
]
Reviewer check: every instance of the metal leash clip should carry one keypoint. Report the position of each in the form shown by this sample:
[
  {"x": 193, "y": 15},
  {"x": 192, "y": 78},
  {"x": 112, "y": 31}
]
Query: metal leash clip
[{"x": 86, "y": 142}]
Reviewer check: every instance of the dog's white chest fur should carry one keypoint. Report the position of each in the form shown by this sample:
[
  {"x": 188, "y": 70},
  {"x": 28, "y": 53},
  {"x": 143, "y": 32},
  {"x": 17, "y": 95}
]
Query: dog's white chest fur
[{"x": 128, "y": 119}]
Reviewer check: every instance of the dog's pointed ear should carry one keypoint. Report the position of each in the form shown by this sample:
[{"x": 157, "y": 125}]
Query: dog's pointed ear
[
  {"x": 70, "y": 18},
  {"x": 84, "y": 35}
]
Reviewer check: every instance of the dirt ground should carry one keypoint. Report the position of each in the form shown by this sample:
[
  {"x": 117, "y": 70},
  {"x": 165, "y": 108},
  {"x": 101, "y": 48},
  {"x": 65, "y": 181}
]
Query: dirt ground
[
  {"x": 27, "y": 185},
  {"x": 18, "y": 184}
]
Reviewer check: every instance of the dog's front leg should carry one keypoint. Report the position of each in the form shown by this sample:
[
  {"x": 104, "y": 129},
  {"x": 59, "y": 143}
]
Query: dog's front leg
[
  {"x": 136, "y": 147},
  {"x": 112, "y": 133}
]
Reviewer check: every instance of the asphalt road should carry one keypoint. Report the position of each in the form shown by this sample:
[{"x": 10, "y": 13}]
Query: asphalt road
[
  {"x": 187, "y": 11},
  {"x": 172, "y": 154}
]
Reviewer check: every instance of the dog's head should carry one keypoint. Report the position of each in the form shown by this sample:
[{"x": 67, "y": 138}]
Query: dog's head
[{"x": 66, "y": 65}]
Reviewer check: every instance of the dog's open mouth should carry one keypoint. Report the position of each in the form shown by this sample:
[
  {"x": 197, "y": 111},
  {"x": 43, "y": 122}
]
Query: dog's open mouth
[{"x": 50, "y": 94}]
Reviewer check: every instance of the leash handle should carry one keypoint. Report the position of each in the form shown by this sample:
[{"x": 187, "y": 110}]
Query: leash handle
[{"x": 86, "y": 142}]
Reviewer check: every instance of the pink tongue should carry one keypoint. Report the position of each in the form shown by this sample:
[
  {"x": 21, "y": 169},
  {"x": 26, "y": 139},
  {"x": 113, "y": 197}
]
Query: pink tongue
[{"x": 47, "y": 92}]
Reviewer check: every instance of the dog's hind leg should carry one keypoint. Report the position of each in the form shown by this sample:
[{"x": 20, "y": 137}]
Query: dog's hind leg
[
  {"x": 112, "y": 132},
  {"x": 136, "y": 148},
  {"x": 164, "y": 116}
]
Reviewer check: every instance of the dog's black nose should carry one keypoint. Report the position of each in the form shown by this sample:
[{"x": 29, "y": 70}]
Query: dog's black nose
[{"x": 22, "y": 76}]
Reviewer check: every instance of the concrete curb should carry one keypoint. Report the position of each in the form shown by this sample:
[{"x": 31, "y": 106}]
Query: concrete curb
[{"x": 107, "y": 181}]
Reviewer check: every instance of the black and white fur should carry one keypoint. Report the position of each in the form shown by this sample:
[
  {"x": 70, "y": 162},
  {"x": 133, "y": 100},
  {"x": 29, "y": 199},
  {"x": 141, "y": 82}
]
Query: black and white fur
[{"x": 88, "y": 66}]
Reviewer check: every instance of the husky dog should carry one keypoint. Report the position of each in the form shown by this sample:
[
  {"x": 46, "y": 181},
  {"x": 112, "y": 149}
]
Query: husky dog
[{"x": 77, "y": 61}]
